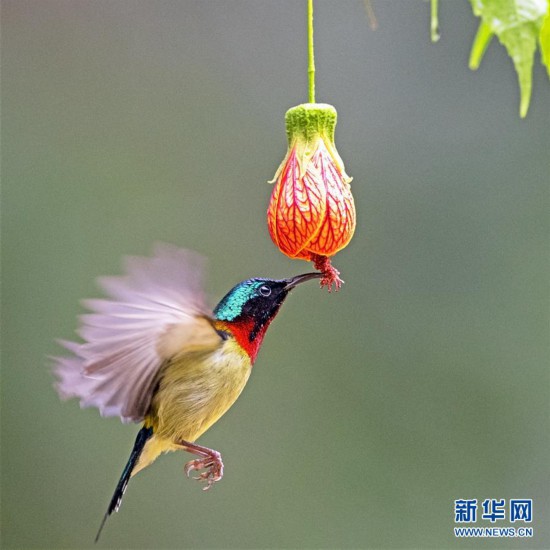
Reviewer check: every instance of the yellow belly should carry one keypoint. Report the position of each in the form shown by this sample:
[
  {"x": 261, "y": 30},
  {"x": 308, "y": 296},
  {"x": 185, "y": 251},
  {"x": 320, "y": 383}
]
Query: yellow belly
[{"x": 195, "y": 390}]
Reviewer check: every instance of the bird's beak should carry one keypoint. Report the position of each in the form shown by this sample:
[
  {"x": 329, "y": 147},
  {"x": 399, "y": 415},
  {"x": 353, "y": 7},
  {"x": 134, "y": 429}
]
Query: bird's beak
[{"x": 293, "y": 281}]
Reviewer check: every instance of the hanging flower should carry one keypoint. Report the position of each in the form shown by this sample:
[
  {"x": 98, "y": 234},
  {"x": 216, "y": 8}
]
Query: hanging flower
[{"x": 311, "y": 214}]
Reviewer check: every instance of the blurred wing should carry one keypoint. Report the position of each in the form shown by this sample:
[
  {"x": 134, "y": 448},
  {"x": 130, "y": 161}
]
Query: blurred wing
[{"x": 154, "y": 312}]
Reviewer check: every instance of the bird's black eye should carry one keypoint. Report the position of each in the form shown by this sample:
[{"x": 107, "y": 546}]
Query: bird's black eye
[{"x": 264, "y": 290}]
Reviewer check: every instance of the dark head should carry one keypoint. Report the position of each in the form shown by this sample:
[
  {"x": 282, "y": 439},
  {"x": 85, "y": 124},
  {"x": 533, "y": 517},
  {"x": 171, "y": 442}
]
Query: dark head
[{"x": 249, "y": 307}]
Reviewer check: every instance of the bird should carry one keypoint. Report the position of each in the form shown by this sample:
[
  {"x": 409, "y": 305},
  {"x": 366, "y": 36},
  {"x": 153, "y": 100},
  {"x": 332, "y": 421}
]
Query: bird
[{"x": 152, "y": 352}]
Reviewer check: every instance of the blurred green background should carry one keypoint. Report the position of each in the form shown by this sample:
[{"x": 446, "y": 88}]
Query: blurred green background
[{"x": 369, "y": 411}]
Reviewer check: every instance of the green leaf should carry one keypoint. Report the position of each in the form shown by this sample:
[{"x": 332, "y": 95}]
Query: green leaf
[
  {"x": 545, "y": 41},
  {"x": 481, "y": 41},
  {"x": 517, "y": 24}
]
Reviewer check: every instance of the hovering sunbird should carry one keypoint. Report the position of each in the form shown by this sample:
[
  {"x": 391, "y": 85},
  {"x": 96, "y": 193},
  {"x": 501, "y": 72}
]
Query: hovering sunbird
[{"x": 154, "y": 353}]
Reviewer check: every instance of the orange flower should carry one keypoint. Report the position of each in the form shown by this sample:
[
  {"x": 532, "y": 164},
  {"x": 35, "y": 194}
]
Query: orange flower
[{"x": 311, "y": 214}]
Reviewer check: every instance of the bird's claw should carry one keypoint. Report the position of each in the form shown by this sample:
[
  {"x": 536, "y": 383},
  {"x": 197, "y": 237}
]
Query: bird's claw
[{"x": 213, "y": 467}]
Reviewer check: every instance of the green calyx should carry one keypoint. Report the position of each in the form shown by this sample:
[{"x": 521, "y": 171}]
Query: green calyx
[{"x": 310, "y": 121}]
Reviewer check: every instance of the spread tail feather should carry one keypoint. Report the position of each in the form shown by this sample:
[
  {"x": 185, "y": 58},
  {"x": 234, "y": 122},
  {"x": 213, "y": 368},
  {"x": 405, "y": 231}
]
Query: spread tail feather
[{"x": 142, "y": 437}]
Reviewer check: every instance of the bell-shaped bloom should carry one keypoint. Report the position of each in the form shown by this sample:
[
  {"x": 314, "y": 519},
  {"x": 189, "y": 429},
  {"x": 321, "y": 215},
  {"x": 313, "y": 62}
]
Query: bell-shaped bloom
[{"x": 311, "y": 214}]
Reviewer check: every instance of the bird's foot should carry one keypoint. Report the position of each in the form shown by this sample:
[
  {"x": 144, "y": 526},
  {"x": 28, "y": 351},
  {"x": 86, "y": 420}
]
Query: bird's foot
[
  {"x": 331, "y": 276},
  {"x": 210, "y": 461}
]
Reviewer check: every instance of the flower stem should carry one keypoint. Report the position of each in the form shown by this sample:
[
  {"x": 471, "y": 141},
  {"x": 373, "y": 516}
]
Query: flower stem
[
  {"x": 434, "y": 21},
  {"x": 310, "y": 53}
]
